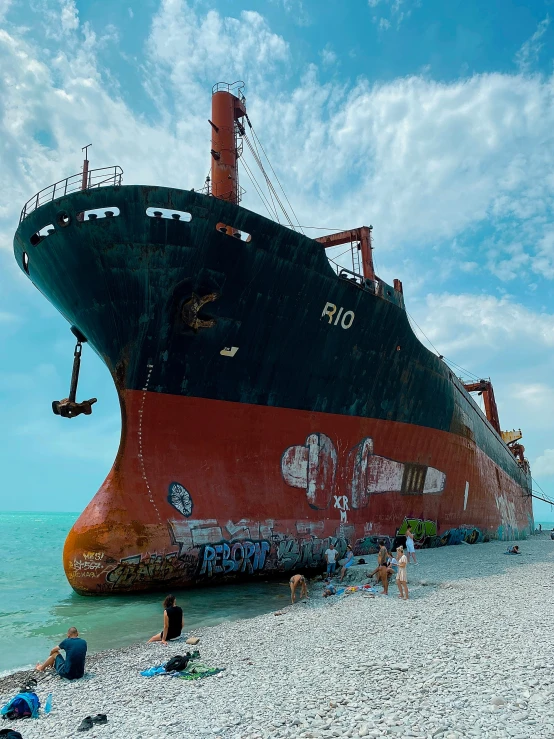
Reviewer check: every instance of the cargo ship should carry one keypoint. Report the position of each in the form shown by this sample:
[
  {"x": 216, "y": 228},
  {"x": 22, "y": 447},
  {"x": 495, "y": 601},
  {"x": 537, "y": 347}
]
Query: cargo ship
[{"x": 271, "y": 402}]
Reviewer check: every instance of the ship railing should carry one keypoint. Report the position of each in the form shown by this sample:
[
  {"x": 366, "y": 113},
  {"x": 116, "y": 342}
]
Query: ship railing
[
  {"x": 235, "y": 88},
  {"x": 96, "y": 178},
  {"x": 361, "y": 282}
]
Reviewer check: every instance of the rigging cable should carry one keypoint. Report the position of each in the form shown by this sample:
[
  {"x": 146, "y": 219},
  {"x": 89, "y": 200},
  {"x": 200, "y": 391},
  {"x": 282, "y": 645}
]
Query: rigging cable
[
  {"x": 258, "y": 160},
  {"x": 275, "y": 174},
  {"x": 268, "y": 181},
  {"x": 272, "y": 214},
  {"x": 448, "y": 361}
]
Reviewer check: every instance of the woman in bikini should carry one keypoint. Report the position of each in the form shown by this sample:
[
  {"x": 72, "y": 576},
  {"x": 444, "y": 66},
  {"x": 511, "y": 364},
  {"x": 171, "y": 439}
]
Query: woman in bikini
[{"x": 294, "y": 582}]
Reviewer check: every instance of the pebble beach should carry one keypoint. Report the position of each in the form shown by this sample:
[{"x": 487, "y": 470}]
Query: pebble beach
[{"x": 469, "y": 655}]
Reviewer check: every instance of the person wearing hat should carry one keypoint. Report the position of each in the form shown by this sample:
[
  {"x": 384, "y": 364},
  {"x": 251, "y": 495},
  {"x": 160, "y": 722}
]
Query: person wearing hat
[
  {"x": 349, "y": 562},
  {"x": 402, "y": 577}
]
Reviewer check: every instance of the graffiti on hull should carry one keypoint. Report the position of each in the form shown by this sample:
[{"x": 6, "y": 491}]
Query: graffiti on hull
[
  {"x": 423, "y": 530},
  {"x": 204, "y": 550},
  {"x": 233, "y": 557},
  {"x": 149, "y": 568},
  {"x": 313, "y": 466}
]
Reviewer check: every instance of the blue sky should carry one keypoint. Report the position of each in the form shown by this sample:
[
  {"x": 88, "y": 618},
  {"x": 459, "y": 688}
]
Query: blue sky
[{"x": 432, "y": 121}]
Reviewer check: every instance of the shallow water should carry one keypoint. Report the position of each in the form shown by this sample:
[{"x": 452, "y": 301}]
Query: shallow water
[{"x": 37, "y": 605}]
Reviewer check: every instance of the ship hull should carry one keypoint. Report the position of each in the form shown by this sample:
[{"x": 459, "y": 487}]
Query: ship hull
[
  {"x": 219, "y": 491},
  {"x": 268, "y": 406}
]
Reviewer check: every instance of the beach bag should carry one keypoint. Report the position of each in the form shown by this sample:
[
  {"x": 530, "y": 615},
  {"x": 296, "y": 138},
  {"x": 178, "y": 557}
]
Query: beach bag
[
  {"x": 177, "y": 663},
  {"x": 10, "y": 734},
  {"x": 24, "y": 705}
]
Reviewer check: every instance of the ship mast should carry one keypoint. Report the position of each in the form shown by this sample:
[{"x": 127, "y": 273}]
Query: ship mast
[{"x": 227, "y": 110}]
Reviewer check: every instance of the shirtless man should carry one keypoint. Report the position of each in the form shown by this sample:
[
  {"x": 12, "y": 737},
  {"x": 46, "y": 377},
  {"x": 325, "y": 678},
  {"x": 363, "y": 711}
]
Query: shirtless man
[{"x": 294, "y": 582}]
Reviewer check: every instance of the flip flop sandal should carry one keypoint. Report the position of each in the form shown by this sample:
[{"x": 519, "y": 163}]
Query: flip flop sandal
[
  {"x": 86, "y": 724},
  {"x": 100, "y": 718}
]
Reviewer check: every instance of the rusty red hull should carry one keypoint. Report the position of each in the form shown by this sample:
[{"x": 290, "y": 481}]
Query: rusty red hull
[{"x": 205, "y": 490}]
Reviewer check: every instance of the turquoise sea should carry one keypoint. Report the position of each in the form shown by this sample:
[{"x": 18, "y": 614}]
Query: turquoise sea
[{"x": 37, "y": 605}]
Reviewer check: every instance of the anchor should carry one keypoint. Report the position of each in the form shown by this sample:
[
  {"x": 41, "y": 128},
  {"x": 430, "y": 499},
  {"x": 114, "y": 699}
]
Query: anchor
[
  {"x": 68, "y": 407},
  {"x": 189, "y": 311}
]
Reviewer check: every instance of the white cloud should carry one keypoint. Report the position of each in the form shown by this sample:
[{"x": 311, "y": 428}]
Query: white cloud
[
  {"x": 528, "y": 54},
  {"x": 296, "y": 9},
  {"x": 458, "y": 323},
  {"x": 130, "y": 11},
  {"x": 4, "y": 7},
  {"x": 543, "y": 465},
  {"x": 328, "y": 56},
  {"x": 543, "y": 264},
  {"x": 396, "y": 10},
  {"x": 69, "y": 16}
]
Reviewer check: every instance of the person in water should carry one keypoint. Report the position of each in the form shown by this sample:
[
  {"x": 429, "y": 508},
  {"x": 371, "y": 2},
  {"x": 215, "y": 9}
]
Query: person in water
[
  {"x": 174, "y": 621},
  {"x": 349, "y": 562},
  {"x": 296, "y": 581},
  {"x": 72, "y": 666}
]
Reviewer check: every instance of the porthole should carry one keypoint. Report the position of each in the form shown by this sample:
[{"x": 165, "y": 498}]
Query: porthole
[
  {"x": 63, "y": 219},
  {"x": 25, "y": 260}
]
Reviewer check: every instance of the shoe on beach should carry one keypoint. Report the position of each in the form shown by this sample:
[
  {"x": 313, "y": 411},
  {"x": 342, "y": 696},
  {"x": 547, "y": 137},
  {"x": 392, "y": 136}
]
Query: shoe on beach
[
  {"x": 86, "y": 724},
  {"x": 100, "y": 718}
]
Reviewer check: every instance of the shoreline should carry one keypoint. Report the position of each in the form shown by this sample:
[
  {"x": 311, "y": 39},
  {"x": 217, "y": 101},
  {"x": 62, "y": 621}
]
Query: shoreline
[{"x": 470, "y": 647}]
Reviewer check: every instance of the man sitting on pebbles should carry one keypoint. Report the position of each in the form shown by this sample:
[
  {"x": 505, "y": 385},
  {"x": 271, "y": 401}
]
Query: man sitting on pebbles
[{"x": 73, "y": 666}]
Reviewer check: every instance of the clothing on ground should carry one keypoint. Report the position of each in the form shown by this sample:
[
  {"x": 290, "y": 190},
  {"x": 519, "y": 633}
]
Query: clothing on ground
[{"x": 73, "y": 666}]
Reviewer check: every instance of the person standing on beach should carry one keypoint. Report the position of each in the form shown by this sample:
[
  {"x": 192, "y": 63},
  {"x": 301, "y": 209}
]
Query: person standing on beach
[
  {"x": 73, "y": 666},
  {"x": 383, "y": 570},
  {"x": 410, "y": 546},
  {"x": 331, "y": 559},
  {"x": 294, "y": 582},
  {"x": 402, "y": 576},
  {"x": 174, "y": 622}
]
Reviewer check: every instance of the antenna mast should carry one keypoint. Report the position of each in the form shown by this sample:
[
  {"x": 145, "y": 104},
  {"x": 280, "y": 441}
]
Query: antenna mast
[{"x": 84, "y": 182}]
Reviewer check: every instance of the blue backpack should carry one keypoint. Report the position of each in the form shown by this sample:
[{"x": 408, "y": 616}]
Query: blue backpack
[{"x": 24, "y": 705}]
